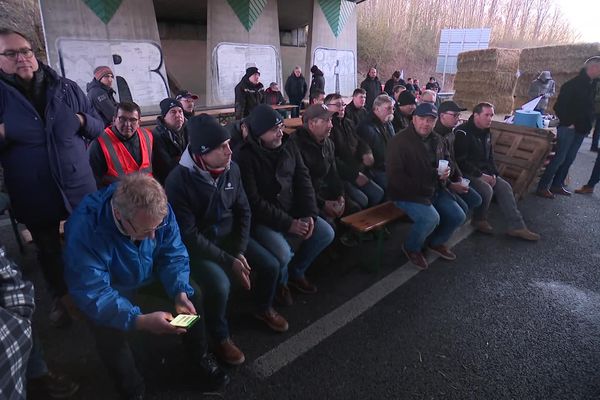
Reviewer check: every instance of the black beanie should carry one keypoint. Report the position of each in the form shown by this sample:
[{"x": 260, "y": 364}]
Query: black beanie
[
  {"x": 205, "y": 134},
  {"x": 167, "y": 104},
  {"x": 251, "y": 71},
  {"x": 405, "y": 98},
  {"x": 261, "y": 119}
]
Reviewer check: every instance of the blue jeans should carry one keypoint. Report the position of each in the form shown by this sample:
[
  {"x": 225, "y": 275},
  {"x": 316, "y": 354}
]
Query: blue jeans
[
  {"x": 215, "y": 284},
  {"x": 294, "y": 264},
  {"x": 567, "y": 146},
  {"x": 365, "y": 196},
  {"x": 596, "y": 134},
  {"x": 468, "y": 201},
  {"x": 595, "y": 177},
  {"x": 434, "y": 223},
  {"x": 379, "y": 177}
]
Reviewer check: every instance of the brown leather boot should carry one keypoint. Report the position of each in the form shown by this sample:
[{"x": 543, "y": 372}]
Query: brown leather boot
[{"x": 229, "y": 353}]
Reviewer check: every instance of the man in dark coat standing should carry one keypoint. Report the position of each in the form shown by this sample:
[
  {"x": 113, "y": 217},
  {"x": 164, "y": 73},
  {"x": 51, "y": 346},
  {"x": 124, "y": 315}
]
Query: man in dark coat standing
[
  {"x": 391, "y": 83},
  {"x": 249, "y": 93},
  {"x": 372, "y": 85},
  {"x": 296, "y": 88},
  {"x": 318, "y": 79},
  {"x": 101, "y": 93},
  {"x": 575, "y": 110},
  {"x": 45, "y": 123}
]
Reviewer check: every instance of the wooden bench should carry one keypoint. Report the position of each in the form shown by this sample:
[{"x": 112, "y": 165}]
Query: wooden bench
[{"x": 373, "y": 220}]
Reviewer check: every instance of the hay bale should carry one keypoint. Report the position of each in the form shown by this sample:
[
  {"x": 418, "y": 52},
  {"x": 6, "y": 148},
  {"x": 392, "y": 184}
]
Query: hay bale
[
  {"x": 487, "y": 75},
  {"x": 564, "y": 63}
]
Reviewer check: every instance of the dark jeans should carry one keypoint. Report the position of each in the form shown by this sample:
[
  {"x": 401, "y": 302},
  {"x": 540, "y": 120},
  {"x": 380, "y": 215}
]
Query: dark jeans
[
  {"x": 468, "y": 201},
  {"x": 595, "y": 177},
  {"x": 296, "y": 111},
  {"x": 47, "y": 241},
  {"x": 567, "y": 145},
  {"x": 116, "y": 355},
  {"x": 215, "y": 284},
  {"x": 596, "y": 134}
]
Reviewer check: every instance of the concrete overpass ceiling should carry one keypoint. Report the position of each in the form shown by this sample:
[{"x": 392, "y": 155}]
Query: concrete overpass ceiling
[
  {"x": 294, "y": 14},
  {"x": 181, "y": 10}
]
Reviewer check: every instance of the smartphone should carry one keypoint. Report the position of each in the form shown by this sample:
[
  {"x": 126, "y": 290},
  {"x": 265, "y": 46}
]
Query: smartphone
[{"x": 185, "y": 321}]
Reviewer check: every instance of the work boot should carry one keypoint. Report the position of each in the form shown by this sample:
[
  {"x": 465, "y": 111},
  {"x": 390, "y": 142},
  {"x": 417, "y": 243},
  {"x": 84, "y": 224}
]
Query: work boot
[
  {"x": 482, "y": 226},
  {"x": 585, "y": 189},
  {"x": 545, "y": 193},
  {"x": 52, "y": 386},
  {"x": 229, "y": 353},
  {"x": 273, "y": 319},
  {"x": 524, "y": 234},
  {"x": 302, "y": 285}
]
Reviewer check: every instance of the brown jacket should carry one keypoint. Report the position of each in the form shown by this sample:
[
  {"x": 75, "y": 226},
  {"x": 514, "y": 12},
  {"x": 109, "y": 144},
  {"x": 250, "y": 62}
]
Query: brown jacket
[{"x": 412, "y": 176}]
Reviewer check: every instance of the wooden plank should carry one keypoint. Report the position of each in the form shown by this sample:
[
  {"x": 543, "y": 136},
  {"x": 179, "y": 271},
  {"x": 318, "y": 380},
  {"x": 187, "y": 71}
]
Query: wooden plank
[
  {"x": 374, "y": 217},
  {"x": 292, "y": 123}
]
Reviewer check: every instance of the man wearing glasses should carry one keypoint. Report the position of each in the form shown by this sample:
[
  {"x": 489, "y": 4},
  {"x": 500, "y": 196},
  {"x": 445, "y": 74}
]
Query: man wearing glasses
[
  {"x": 123, "y": 148},
  {"x": 121, "y": 239},
  {"x": 448, "y": 118},
  {"x": 45, "y": 122}
]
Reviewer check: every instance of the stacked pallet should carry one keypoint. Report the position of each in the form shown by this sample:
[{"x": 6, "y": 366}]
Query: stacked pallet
[
  {"x": 564, "y": 62},
  {"x": 488, "y": 75}
]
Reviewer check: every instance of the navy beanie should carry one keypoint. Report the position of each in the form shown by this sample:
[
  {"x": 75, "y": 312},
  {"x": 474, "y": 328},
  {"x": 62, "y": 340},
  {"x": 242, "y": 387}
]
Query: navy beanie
[
  {"x": 261, "y": 119},
  {"x": 205, "y": 134}
]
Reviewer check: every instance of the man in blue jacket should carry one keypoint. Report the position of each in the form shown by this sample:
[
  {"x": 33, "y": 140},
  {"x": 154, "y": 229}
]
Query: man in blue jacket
[
  {"x": 45, "y": 122},
  {"x": 118, "y": 240}
]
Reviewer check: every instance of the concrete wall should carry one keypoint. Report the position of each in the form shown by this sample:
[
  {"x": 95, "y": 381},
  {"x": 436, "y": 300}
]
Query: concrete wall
[
  {"x": 92, "y": 43},
  {"x": 321, "y": 35},
  {"x": 224, "y": 26},
  {"x": 186, "y": 62}
]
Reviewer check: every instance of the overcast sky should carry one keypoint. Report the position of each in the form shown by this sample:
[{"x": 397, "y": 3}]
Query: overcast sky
[{"x": 583, "y": 15}]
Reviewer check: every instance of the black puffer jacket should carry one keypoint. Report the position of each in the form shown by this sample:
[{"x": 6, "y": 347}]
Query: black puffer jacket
[
  {"x": 377, "y": 135},
  {"x": 373, "y": 88},
  {"x": 277, "y": 183},
  {"x": 296, "y": 88},
  {"x": 210, "y": 213},
  {"x": 349, "y": 149},
  {"x": 247, "y": 96},
  {"x": 575, "y": 103},
  {"x": 103, "y": 100},
  {"x": 167, "y": 149},
  {"x": 318, "y": 80},
  {"x": 319, "y": 158},
  {"x": 473, "y": 150}
]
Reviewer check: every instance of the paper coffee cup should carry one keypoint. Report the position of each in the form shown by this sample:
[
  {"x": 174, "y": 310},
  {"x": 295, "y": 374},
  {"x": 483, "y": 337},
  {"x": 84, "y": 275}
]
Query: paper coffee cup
[
  {"x": 442, "y": 166},
  {"x": 465, "y": 182}
]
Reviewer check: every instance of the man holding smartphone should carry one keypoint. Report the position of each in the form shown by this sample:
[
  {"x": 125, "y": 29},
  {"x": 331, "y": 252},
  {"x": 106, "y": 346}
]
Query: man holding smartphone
[{"x": 119, "y": 240}]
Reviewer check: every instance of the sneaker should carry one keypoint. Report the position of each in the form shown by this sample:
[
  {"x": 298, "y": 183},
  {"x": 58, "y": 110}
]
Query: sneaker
[
  {"x": 229, "y": 353},
  {"x": 214, "y": 375},
  {"x": 561, "y": 191},
  {"x": 483, "y": 226},
  {"x": 417, "y": 258},
  {"x": 524, "y": 234},
  {"x": 59, "y": 316},
  {"x": 302, "y": 285},
  {"x": 283, "y": 296},
  {"x": 273, "y": 319},
  {"x": 443, "y": 252},
  {"x": 585, "y": 189},
  {"x": 52, "y": 386}
]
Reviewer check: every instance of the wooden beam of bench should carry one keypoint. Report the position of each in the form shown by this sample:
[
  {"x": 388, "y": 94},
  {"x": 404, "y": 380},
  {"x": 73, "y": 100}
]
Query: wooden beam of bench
[{"x": 374, "y": 217}]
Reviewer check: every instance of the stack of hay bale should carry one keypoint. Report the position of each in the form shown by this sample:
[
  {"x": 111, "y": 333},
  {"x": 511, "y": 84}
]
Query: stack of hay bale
[
  {"x": 487, "y": 75},
  {"x": 564, "y": 62}
]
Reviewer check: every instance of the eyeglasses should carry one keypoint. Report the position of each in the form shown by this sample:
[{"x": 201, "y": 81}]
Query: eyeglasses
[
  {"x": 13, "y": 54},
  {"x": 455, "y": 115},
  {"x": 338, "y": 105},
  {"x": 124, "y": 120},
  {"x": 147, "y": 231}
]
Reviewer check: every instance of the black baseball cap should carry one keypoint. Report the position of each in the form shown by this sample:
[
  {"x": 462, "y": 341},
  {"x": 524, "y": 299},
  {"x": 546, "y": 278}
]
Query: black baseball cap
[
  {"x": 183, "y": 94},
  {"x": 450, "y": 106}
]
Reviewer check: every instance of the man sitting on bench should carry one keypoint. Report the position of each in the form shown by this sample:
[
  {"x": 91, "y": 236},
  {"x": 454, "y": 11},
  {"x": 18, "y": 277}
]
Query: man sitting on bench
[{"x": 417, "y": 186}]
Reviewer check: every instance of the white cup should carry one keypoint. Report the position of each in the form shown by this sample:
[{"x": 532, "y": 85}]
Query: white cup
[
  {"x": 546, "y": 123},
  {"x": 442, "y": 166},
  {"x": 465, "y": 182}
]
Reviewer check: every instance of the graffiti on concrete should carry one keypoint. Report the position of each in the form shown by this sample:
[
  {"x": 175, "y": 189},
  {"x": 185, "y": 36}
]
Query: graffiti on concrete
[{"x": 138, "y": 67}]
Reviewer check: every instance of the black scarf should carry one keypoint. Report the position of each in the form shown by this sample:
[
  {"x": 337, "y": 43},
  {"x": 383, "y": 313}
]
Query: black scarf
[{"x": 34, "y": 90}]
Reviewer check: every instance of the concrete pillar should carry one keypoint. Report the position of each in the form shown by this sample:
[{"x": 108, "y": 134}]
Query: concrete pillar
[
  {"x": 77, "y": 41},
  {"x": 325, "y": 49},
  {"x": 231, "y": 49}
]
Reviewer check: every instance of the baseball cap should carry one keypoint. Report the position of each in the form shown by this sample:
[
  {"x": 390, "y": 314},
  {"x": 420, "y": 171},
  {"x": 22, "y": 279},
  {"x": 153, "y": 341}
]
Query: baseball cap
[
  {"x": 317, "y": 111},
  {"x": 182, "y": 94},
  {"x": 450, "y": 106},
  {"x": 426, "y": 110}
]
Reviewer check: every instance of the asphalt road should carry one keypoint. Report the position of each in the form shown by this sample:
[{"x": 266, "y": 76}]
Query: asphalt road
[{"x": 507, "y": 320}]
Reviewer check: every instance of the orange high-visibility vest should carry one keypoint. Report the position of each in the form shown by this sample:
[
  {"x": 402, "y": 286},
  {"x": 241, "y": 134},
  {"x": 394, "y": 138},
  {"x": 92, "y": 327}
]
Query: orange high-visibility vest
[{"x": 119, "y": 161}]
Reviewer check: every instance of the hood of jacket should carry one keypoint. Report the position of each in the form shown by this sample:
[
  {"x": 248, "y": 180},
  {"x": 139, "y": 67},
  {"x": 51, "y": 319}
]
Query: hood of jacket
[
  {"x": 95, "y": 84},
  {"x": 188, "y": 162}
]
